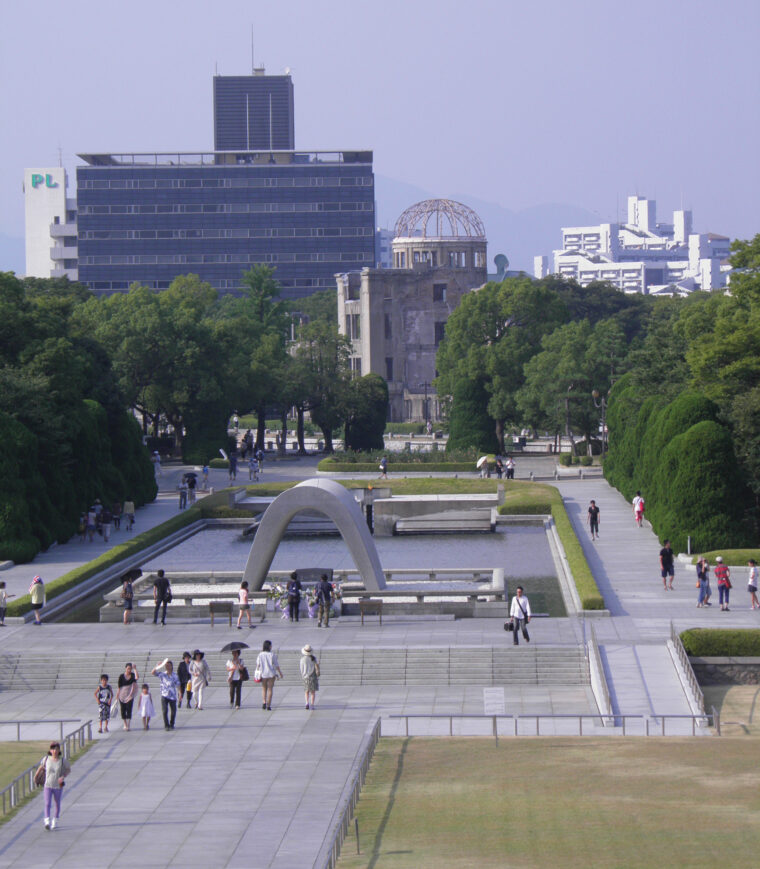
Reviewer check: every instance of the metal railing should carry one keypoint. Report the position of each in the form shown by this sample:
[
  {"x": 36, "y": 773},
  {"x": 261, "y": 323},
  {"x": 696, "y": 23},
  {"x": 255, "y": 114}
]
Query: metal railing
[
  {"x": 23, "y": 785},
  {"x": 687, "y": 668},
  {"x": 651, "y": 725},
  {"x": 596, "y": 674},
  {"x": 59, "y": 721},
  {"x": 330, "y": 851}
]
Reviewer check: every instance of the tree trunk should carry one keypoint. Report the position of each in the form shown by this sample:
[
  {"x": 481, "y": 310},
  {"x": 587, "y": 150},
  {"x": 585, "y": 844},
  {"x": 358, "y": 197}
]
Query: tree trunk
[
  {"x": 300, "y": 432},
  {"x": 327, "y": 435},
  {"x": 500, "y": 435},
  {"x": 283, "y": 431},
  {"x": 261, "y": 412}
]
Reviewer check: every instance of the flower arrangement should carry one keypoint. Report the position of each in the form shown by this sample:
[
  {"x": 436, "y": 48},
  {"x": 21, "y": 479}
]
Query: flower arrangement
[{"x": 279, "y": 594}]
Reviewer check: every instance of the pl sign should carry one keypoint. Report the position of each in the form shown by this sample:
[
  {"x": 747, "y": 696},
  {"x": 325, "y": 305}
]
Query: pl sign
[{"x": 46, "y": 179}]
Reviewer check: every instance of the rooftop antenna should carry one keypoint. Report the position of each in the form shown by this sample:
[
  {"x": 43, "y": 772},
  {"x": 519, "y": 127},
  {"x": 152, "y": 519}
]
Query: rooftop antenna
[
  {"x": 253, "y": 64},
  {"x": 60, "y": 155}
]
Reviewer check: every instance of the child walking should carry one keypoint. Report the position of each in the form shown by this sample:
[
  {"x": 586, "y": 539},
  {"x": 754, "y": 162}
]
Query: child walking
[
  {"x": 3, "y": 603},
  {"x": 146, "y": 707},
  {"x": 104, "y": 696}
]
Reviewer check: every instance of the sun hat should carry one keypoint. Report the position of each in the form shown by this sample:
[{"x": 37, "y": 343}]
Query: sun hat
[
  {"x": 307, "y": 650},
  {"x": 197, "y": 652},
  {"x": 719, "y": 558}
]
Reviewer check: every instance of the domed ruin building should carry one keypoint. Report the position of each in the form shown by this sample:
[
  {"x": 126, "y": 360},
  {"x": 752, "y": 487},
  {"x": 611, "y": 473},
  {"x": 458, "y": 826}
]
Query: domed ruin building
[{"x": 395, "y": 318}]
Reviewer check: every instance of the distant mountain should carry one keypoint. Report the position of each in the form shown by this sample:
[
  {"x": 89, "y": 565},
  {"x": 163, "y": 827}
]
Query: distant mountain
[
  {"x": 520, "y": 235},
  {"x": 12, "y": 254}
]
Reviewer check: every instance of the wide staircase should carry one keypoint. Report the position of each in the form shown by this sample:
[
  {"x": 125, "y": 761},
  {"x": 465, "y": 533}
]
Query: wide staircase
[{"x": 363, "y": 666}]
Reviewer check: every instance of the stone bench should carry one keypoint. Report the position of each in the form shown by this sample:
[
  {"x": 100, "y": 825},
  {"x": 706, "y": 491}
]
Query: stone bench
[
  {"x": 220, "y": 607},
  {"x": 371, "y": 607}
]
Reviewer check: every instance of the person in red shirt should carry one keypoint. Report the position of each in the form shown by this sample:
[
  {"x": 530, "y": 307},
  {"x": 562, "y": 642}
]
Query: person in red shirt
[{"x": 723, "y": 576}]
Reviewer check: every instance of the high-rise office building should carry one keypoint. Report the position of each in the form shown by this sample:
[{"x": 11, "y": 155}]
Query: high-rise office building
[{"x": 253, "y": 112}]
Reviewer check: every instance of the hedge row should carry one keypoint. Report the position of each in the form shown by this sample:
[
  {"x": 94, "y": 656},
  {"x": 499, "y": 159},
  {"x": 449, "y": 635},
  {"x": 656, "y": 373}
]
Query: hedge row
[
  {"x": 730, "y": 556},
  {"x": 537, "y": 499},
  {"x": 199, "y": 510},
  {"x": 396, "y": 467},
  {"x": 567, "y": 459},
  {"x": 722, "y": 642}
]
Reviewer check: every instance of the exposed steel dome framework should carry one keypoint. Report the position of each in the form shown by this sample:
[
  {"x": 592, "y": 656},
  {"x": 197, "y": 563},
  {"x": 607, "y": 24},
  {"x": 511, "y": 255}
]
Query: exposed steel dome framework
[{"x": 440, "y": 218}]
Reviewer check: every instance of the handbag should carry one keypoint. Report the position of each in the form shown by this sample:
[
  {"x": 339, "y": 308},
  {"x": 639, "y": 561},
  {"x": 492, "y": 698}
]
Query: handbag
[
  {"x": 509, "y": 625},
  {"x": 257, "y": 674},
  {"x": 40, "y": 775},
  {"x": 244, "y": 677}
]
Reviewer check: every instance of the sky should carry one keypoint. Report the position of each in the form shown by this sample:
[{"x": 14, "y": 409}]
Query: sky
[{"x": 519, "y": 104}]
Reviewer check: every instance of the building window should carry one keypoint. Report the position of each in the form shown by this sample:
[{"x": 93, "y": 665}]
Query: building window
[
  {"x": 388, "y": 327},
  {"x": 440, "y": 331},
  {"x": 439, "y": 292},
  {"x": 356, "y": 366},
  {"x": 389, "y": 368}
]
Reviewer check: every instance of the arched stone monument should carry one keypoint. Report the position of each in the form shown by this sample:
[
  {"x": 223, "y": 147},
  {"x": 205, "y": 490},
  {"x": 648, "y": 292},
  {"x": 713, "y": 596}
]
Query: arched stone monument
[{"x": 335, "y": 502}]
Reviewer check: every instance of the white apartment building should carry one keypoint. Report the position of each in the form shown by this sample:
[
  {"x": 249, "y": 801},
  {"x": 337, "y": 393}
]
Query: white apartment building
[
  {"x": 642, "y": 255},
  {"x": 51, "y": 225}
]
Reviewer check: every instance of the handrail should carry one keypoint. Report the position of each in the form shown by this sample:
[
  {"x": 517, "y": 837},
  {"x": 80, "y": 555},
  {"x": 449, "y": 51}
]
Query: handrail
[
  {"x": 59, "y": 721},
  {"x": 23, "y": 785},
  {"x": 696, "y": 720},
  {"x": 596, "y": 669},
  {"x": 688, "y": 669},
  {"x": 330, "y": 851}
]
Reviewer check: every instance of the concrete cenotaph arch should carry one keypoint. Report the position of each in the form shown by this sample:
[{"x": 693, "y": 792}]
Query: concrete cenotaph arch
[{"x": 335, "y": 502}]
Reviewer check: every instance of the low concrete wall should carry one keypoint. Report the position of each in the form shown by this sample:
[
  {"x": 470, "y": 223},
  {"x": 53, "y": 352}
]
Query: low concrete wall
[
  {"x": 387, "y": 512},
  {"x": 726, "y": 671}
]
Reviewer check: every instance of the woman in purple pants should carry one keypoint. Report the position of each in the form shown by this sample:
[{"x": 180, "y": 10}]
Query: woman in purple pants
[{"x": 56, "y": 769}]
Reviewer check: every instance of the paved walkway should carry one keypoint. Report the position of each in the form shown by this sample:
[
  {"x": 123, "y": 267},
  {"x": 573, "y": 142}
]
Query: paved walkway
[{"x": 255, "y": 789}]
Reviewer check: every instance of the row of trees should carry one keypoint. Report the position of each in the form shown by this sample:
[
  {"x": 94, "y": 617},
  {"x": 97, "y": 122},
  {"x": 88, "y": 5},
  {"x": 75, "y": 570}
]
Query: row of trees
[
  {"x": 66, "y": 436},
  {"x": 681, "y": 378}
]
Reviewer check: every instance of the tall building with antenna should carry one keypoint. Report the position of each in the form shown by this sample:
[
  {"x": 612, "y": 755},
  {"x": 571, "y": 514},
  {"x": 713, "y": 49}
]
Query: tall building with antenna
[{"x": 253, "y": 112}]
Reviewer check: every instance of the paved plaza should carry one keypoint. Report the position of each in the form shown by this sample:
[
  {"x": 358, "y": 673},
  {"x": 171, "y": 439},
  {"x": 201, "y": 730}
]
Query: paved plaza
[{"x": 260, "y": 789}]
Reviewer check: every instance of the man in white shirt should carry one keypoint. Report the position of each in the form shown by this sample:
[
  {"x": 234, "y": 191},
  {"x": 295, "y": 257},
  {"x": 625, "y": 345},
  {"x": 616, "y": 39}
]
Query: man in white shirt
[{"x": 520, "y": 615}]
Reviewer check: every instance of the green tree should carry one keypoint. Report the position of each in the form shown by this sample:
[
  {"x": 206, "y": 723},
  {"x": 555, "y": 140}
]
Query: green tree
[{"x": 366, "y": 413}]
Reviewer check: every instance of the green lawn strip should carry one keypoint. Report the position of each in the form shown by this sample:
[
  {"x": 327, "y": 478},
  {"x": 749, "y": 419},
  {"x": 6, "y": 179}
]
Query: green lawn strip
[
  {"x": 538, "y": 498},
  {"x": 557, "y": 802},
  {"x": 130, "y": 547},
  {"x": 730, "y": 556},
  {"x": 408, "y": 486},
  {"x": 15, "y": 757},
  {"x": 739, "y": 707},
  {"x": 722, "y": 642}
]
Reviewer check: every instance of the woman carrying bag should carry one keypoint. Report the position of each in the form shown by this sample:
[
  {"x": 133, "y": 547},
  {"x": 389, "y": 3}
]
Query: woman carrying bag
[
  {"x": 310, "y": 675},
  {"x": 52, "y": 771},
  {"x": 267, "y": 670},
  {"x": 200, "y": 677}
]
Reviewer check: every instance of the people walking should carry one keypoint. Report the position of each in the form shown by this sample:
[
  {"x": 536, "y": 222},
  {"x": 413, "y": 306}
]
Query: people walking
[
  {"x": 244, "y": 603},
  {"x": 200, "y": 676},
  {"x": 106, "y": 522},
  {"x": 235, "y": 671},
  {"x": 182, "y": 489},
  {"x": 162, "y": 595},
  {"x": 593, "y": 520},
  {"x": 267, "y": 669},
  {"x": 56, "y": 768},
  {"x": 383, "y": 468},
  {"x": 324, "y": 592},
  {"x": 752, "y": 584},
  {"x": 156, "y": 459},
  {"x": 3, "y": 603},
  {"x": 253, "y": 468},
  {"x": 520, "y": 614},
  {"x": 723, "y": 576},
  {"x": 37, "y": 594},
  {"x": 638, "y": 509},
  {"x": 703, "y": 582},
  {"x": 129, "y": 514},
  {"x": 667, "y": 567},
  {"x": 185, "y": 685},
  {"x": 128, "y": 598},
  {"x": 233, "y": 460},
  {"x": 169, "y": 687},
  {"x": 294, "y": 596},
  {"x": 509, "y": 466},
  {"x": 145, "y": 707},
  {"x": 126, "y": 691},
  {"x": 309, "y": 667},
  {"x": 104, "y": 696}
]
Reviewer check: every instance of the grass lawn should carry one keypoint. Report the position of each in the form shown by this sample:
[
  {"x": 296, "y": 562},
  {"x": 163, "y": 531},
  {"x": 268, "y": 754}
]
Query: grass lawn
[
  {"x": 451, "y": 803},
  {"x": 739, "y": 707},
  {"x": 412, "y": 486}
]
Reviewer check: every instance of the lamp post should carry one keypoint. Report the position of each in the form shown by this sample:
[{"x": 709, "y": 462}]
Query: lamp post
[
  {"x": 600, "y": 402},
  {"x": 425, "y": 412}
]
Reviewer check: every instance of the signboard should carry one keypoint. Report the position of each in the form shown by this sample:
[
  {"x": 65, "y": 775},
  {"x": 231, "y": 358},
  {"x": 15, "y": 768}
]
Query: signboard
[{"x": 47, "y": 179}]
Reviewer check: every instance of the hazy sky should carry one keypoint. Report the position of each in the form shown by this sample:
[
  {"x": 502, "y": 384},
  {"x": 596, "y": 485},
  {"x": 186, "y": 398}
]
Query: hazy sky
[{"x": 518, "y": 103}]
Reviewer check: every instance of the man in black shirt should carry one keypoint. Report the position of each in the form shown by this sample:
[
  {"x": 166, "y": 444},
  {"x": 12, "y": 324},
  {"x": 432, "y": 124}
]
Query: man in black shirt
[
  {"x": 593, "y": 520},
  {"x": 666, "y": 566},
  {"x": 161, "y": 595}
]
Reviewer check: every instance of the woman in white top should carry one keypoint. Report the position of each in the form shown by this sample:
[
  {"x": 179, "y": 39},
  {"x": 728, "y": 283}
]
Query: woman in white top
[
  {"x": 309, "y": 667},
  {"x": 56, "y": 769},
  {"x": 200, "y": 676},
  {"x": 752, "y": 584},
  {"x": 268, "y": 667},
  {"x": 245, "y": 606}
]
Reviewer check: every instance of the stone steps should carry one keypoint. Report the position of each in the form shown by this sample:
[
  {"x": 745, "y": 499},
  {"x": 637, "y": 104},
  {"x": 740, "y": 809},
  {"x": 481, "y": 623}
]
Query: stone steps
[{"x": 482, "y": 665}]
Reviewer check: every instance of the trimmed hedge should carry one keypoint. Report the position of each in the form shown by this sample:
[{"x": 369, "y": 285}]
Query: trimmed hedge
[
  {"x": 536, "y": 498},
  {"x": 219, "y": 463},
  {"x": 732, "y": 557},
  {"x": 199, "y": 510},
  {"x": 396, "y": 467},
  {"x": 722, "y": 642}
]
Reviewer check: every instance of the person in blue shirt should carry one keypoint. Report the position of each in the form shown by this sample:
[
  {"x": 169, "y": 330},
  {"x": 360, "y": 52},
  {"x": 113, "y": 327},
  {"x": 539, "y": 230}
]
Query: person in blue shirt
[{"x": 169, "y": 688}]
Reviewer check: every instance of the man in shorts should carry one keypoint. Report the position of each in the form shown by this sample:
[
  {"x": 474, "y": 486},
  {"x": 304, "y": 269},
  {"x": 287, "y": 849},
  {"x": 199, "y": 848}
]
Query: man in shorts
[
  {"x": 666, "y": 566},
  {"x": 593, "y": 520}
]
